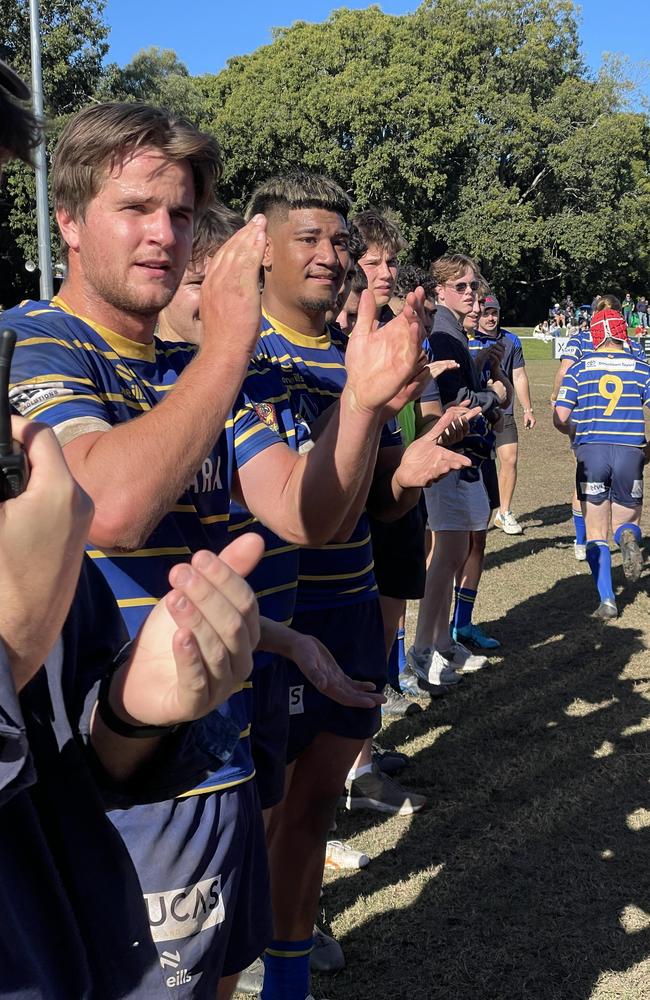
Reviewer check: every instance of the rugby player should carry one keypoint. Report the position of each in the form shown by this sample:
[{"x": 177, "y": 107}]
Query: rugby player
[
  {"x": 601, "y": 403},
  {"x": 138, "y": 423},
  {"x": 56, "y": 836},
  {"x": 303, "y": 267},
  {"x": 513, "y": 367},
  {"x": 573, "y": 351}
]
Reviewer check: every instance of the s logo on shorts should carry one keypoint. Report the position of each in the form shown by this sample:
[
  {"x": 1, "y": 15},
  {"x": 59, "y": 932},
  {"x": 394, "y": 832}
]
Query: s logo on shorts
[{"x": 296, "y": 699}]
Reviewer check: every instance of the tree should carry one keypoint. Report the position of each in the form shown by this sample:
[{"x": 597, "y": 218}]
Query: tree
[
  {"x": 475, "y": 120},
  {"x": 158, "y": 77},
  {"x": 73, "y": 40}
]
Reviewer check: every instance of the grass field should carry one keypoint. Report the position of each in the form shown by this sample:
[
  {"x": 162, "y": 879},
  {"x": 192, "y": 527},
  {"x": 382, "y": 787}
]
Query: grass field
[{"x": 527, "y": 875}]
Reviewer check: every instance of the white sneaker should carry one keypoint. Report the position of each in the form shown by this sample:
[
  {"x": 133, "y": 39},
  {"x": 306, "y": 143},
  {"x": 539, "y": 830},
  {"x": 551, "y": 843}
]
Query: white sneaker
[
  {"x": 508, "y": 523},
  {"x": 580, "y": 552},
  {"x": 340, "y": 855},
  {"x": 435, "y": 669},
  {"x": 463, "y": 660}
]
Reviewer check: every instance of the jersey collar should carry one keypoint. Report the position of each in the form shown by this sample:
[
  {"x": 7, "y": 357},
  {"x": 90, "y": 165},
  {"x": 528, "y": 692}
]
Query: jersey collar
[
  {"x": 321, "y": 342},
  {"x": 121, "y": 345}
]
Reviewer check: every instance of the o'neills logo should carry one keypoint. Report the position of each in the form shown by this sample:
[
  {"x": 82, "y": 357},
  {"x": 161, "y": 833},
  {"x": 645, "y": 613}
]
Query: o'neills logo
[{"x": 180, "y": 913}]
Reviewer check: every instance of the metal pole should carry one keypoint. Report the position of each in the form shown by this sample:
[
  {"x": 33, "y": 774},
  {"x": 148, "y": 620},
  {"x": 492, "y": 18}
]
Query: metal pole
[{"x": 40, "y": 162}]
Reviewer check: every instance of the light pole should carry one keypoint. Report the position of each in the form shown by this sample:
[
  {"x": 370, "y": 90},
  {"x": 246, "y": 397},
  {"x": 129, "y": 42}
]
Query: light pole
[{"x": 40, "y": 162}]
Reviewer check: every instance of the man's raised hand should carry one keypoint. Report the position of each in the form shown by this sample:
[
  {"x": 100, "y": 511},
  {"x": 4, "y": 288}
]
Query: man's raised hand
[{"x": 196, "y": 647}]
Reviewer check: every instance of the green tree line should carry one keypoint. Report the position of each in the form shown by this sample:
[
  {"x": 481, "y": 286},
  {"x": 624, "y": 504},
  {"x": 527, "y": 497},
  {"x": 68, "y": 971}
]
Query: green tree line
[{"x": 475, "y": 121}]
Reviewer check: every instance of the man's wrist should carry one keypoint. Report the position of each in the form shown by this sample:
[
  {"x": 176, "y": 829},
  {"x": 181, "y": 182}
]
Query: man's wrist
[
  {"x": 113, "y": 715},
  {"x": 349, "y": 402}
]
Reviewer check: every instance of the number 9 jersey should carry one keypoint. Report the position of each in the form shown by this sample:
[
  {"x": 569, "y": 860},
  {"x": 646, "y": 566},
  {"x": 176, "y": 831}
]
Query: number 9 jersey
[{"x": 607, "y": 393}]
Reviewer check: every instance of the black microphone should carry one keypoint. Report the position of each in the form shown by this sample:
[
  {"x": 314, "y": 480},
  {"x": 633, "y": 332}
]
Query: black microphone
[{"x": 13, "y": 463}]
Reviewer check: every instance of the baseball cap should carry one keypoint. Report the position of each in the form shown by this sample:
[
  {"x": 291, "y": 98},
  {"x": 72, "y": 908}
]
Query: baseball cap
[
  {"x": 490, "y": 302},
  {"x": 12, "y": 83},
  {"x": 607, "y": 323}
]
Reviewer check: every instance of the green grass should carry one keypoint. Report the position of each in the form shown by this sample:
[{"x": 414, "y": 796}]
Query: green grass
[{"x": 534, "y": 350}]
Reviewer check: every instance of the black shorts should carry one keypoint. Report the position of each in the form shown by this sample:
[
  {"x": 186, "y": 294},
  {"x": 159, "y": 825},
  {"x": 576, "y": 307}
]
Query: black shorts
[
  {"x": 270, "y": 730},
  {"x": 354, "y": 635},
  {"x": 610, "y": 472},
  {"x": 399, "y": 554},
  {"x": 491, "y": 482},
  {"x": 508, "y": 433}
]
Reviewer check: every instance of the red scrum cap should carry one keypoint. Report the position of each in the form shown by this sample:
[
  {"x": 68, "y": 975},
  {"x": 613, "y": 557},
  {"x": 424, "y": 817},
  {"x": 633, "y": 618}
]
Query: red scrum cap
[{"x": 608, "y": 324}]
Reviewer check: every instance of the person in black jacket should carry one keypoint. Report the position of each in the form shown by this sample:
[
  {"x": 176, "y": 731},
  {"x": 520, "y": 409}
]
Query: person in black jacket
[{"x": 459, "y": 504}]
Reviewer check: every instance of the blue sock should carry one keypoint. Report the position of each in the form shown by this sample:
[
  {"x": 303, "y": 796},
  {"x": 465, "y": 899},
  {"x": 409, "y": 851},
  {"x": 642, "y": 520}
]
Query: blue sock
[
  {"x": 634, "y": 528},
  {"x": 393, "y": 665},
  {"x": 401, "y": 649},
  {"x": 579, "y": 527},
  {"x": 463, "y": 607},
  {"x": 286, "y": 970},
  {"x": 600, "y": 563}
]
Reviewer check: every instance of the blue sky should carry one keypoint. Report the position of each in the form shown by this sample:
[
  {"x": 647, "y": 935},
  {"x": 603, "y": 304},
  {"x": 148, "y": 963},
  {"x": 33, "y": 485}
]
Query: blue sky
[{"x": 205, "y": 33}]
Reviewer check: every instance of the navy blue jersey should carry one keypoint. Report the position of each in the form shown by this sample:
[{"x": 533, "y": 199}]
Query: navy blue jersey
[
  {"x": 313, "y": 374},
  {"x": 581, "y": 344},
  {"x": 607, "y": 393}
]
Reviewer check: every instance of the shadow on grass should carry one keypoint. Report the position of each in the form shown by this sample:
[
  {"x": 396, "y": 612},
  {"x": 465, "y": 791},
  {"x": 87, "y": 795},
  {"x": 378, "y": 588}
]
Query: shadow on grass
[{"x": 525, "y": 877}]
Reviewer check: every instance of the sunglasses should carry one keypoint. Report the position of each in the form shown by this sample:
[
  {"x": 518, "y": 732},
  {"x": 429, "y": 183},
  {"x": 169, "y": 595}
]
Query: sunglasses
[{"x": 460, "y": 286}]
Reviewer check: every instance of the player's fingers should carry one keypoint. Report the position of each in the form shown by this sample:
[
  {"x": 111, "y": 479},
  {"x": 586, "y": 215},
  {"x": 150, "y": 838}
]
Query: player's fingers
[
  {"x": 224, "y": 600},
  {"x": 192, "y": 679},
  {"x": 365, "y": 313},
  {"x": 229, "y": 583},
  {"x": 244, "y": 553}
]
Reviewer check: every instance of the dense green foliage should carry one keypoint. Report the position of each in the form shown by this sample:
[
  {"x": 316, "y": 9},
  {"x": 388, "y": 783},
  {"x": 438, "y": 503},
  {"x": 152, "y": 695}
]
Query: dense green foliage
[{"x": 474, "y": 120}]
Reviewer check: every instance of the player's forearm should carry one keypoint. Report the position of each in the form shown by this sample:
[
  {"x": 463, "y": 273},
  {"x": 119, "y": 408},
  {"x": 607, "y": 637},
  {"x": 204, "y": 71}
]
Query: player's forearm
[
  {"x": 136, "y": 471},
  {"x": 277, "y": 638},
  {"x": 388, "y": 500},
  {"x": 331, "y": 483},
  {"x": 522, "y": 388}
]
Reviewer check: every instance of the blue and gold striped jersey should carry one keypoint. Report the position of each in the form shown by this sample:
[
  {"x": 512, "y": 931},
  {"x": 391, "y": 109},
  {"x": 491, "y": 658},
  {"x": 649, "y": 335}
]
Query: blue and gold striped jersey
[
  {"x": 313, "y": 373},
  {"x": 581, "y": 344},
  {"x": 80, "y": 377},
  {"x": 275, "y": 578},
  {"x": 607, "y": 393}
]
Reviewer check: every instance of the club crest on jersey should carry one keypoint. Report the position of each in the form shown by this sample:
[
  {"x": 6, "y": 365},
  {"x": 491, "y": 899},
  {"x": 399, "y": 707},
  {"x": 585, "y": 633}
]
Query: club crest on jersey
[{"x": 266, "y": 413}]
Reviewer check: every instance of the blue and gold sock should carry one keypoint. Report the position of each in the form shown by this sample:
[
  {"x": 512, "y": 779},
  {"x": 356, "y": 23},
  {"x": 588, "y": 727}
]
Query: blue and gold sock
[
  {"x": 600, "y": 563},
  {"x": 579, "y": 526},
  {"x": 286, "y": 970},
  {"x": 463, "y": 607}
]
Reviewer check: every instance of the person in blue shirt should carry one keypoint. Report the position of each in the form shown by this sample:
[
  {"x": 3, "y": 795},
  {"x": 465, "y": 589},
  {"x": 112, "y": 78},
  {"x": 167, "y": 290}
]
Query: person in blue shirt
[
  {"x": 573, "y": 351},
  {"x": 601, "y": 403}
]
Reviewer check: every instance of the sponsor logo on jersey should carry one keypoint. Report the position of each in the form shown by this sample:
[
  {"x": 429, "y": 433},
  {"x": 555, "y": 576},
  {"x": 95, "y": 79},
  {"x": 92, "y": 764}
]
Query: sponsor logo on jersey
[
  {"x": 562, "y": 394},
  {"x": 180, "y": 913},
  {"x": 296, "y": 699},
  {"x": 609, "y": 364},
  {"x": 208, "y": 478},
  {"x": 172, "y": 959},
  {"x": 27, "y": 398},
  {"x": 266, "y": 413}
]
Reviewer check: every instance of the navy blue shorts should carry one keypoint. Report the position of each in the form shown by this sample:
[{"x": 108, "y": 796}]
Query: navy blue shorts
[
  {"x": 354, "y": 635},
  {"x": 270, "y": 730},
  {"x": 202, "y": 866},
  {"x": 610, "y": 472}
]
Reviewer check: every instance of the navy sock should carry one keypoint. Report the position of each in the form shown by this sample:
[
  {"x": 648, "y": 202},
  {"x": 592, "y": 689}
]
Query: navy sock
[
  {"x": 401, "y": 649},
  {"x": 579, "y": 527},
  {"x": 600, "y": 563},
  {"x": 393, "y": 665},
  {"x": 286, "y": 970},
  {"x": 463, "y": 607},
  {"x": 634, "y": 528}
]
